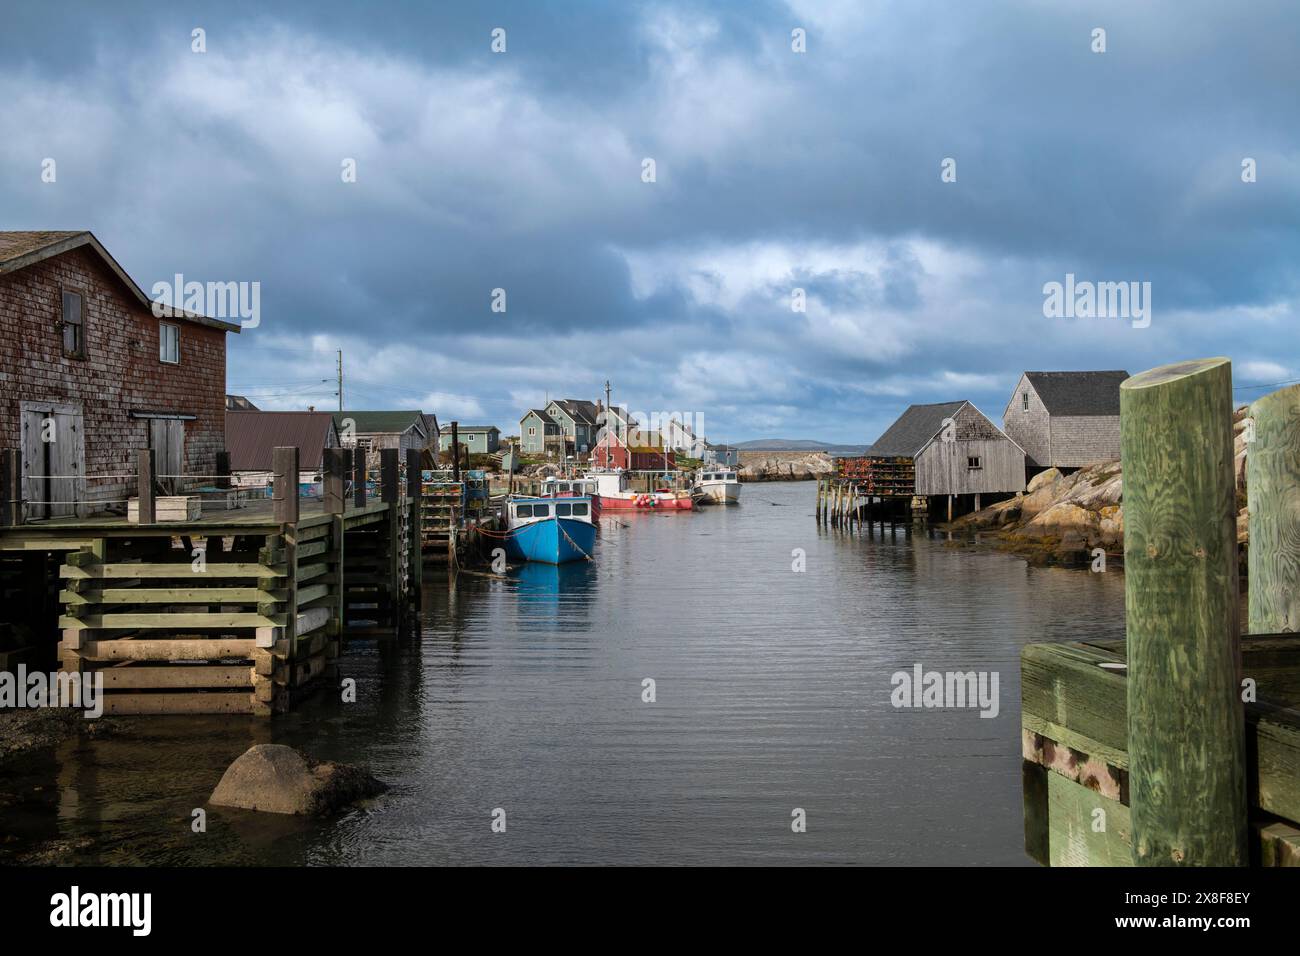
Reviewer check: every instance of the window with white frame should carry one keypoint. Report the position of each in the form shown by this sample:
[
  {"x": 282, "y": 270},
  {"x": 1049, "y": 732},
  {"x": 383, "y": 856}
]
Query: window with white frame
[{"x": 169, "y": 343}]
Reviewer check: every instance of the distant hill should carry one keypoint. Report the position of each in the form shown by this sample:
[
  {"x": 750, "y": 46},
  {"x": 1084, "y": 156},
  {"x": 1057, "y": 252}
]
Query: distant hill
[{"x": 798, "y": 444}]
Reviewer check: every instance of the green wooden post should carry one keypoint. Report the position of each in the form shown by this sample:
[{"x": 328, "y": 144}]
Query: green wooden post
[
  {"x": 1186, "y": 735},
  {"x": 1272, "y": 486}
]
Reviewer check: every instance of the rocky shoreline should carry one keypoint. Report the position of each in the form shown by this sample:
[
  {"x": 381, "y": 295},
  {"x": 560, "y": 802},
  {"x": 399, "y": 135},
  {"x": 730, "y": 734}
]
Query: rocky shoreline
[
  {"x": 784, "y": 465},
  {"x": 1062, "y": 519}
]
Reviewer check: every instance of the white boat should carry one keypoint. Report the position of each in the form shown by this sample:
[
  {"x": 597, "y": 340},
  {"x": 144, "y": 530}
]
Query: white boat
[{"x": 718, "y": 487}]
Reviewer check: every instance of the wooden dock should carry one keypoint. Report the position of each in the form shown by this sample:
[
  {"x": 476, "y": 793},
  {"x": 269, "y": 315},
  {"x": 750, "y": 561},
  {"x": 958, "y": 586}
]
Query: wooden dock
[
  {"x": 236, "y": 611},
  {"x": 1181, "y": 744}
]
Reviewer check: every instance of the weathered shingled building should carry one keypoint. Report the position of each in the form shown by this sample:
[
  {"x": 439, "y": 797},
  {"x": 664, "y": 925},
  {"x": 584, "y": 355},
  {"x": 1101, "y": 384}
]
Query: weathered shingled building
[
  {"x": 1065, "y": 419},
  {"x": 84, "y": 360},
  {"x": 955, "y": 450}
]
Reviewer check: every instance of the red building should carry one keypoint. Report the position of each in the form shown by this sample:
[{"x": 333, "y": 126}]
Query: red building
[
  {"x": 612, "y": 452},
  {"x": 89, "y": 375}
]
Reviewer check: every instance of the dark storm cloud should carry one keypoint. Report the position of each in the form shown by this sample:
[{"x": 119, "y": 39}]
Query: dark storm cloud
[{"x": 775, "y": 170}]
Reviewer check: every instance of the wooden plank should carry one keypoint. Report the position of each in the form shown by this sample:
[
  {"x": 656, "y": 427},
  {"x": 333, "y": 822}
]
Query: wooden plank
[
  {"x": 135, "y": 677},
  {"x": 1186, "y": 733},
  {"x": 193, "y": 649},
  {"x": 172, "y": 596},
  {"x": 1279, "y": 845},
  {"x": 313, "y": 593},
  {"x": 1085, "y": 828},
  {"x": 181, "y": 570},
  {"x": 171, "y": 622},
  {"x": 179, "y": 703},
  {"x": 1037, "y": 821},
  {"x": 308, "y": 571},
  {"x": 1067, "y": 685},
  {"x": 1064, "y": 688},
  {"x": 312, "y": 619}
]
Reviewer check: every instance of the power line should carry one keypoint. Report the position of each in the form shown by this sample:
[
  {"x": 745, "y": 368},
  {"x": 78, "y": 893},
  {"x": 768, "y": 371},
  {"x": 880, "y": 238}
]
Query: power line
[{"x": 1242, "y": 388}]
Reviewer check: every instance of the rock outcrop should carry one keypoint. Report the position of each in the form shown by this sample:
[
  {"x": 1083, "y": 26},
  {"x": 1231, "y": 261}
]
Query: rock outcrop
[
  {"x": 784, "y": 465},
  {"x": 278, "y": 779},
  {"x": 1063, "y": 517}
]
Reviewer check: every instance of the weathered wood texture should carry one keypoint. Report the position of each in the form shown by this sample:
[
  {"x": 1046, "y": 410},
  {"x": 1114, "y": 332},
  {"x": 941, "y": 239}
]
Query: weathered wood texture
[
  {"x": 1273, "y": 501},
  {"x": 1074, "y": 717},
  {"x": 1186, "y": 739}
]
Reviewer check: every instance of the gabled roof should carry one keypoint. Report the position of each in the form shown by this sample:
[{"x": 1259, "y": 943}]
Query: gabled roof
[
  {"x": 251, "y": 436},
  {"x": 473, "y": 428},
  {"x": 381, "y": 422},
  {"x": 545, "y": 418},
  {"x": 578, "y": 409},
  {"x": 20, "y": 249},
  {"x": 913, "y": 430},
  {"x": 1078, "y": 393},
  {"x": 431, "y": 426}
]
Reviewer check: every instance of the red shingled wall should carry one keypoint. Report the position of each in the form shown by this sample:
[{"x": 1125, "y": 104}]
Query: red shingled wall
[{"x": 121, "y": 370}]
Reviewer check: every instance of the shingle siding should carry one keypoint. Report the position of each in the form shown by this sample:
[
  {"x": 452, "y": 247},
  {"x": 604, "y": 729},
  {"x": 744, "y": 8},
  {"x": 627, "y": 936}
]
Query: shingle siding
[
  {"x": 120, "y": 373},
  {"x": 1082, "y": 440},
  {"x": 1030, "y": 428},
  {"x": 942, "y": 468},
  {"x": 1064, "y": 441}
]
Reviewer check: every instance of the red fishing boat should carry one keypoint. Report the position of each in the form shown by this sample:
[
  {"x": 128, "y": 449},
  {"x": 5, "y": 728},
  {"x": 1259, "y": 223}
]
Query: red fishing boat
[{"x": 614, "y": 495}]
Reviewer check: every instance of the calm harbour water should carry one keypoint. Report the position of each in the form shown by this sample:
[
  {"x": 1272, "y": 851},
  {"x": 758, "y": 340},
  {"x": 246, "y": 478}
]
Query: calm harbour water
[{"x": 773, "y": 692}]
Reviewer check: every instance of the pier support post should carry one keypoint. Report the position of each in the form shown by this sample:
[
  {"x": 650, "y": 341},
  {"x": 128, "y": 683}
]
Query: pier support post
[
  {"x": 284, "y": 484},
  {"x": 1186, "y": 737},
  {"x": 336, "y": 473},
  {"x": 359, "y": 477},
  {"x": 11, "y": 487},
  {"x": 414, "y": 492},
  {"x": 144, "y": 479},
  {"x": 223, "y": 470},
  {"x": 335, "y": 476},
  {"x": 455, "y": 451},
  {"x": 1272, "y": 477}
]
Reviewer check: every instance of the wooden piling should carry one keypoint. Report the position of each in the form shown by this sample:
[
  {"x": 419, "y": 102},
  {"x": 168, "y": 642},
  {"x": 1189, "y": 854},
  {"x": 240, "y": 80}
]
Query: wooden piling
[
  {"x": 1186, "y": 733},
  {"x": 144, "y": 481},
  {"x": 11, "y": 487},
  {"x": 284, "y": 484},
  {"x": 358, "y": 477},
  {"x": 414, "y": 493},
  {"x": 1272, "y": 480}
]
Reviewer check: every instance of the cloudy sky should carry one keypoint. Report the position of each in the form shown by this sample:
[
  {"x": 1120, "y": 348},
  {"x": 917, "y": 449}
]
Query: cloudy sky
[{"x": 774, "y": 171}]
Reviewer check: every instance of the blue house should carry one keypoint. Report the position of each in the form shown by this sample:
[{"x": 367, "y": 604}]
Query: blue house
[
  {"x": 477, "y": 439},
  {"x": 538, "y": 432}
]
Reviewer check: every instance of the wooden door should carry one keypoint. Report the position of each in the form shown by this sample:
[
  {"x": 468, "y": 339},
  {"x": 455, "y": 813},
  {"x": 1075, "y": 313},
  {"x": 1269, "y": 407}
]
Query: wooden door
[
  {"x": 167, "y": 439},
  {"x": 54, "y": 459}
]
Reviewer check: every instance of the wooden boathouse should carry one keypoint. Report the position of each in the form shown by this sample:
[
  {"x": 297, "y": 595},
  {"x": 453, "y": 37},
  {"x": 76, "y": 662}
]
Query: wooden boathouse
[
  {"x": 948, "y": 450},
  {"x": 1180, "y": 745}
]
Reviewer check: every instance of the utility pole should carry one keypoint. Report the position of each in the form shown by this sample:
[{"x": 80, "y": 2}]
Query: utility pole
[{"x": 340, "y": 380}]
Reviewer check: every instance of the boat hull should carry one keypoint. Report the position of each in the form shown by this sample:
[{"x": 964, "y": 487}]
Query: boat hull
[
  {"x": 720, "y": 494},
  {"x": 646, "y": 503},
  {"x": 554, "y": 541}
]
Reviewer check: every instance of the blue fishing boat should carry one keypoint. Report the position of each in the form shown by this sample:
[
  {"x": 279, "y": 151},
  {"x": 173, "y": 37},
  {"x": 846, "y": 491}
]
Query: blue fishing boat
[{"x": 550, "y": 530}]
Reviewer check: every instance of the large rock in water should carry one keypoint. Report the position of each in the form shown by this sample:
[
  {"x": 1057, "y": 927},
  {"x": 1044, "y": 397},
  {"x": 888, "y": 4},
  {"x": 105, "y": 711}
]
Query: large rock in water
[{"x": 274, "y": 778}]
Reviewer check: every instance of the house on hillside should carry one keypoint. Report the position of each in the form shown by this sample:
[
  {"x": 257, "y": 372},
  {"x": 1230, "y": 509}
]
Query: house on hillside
[
  {"x": 252, "y": 436},
  {"x": 372, "y": 431},
  {"x": 680, "y": 437},
  {"x": 477, "y": 439},
  {"x": 612, "y": 452},
  {"x": 578, "y": 421},
  {"x": 950, "y": 450},
  {"x": 540, "y": 434},
  {"x": 1065, "y": 419},
  {"x": 91, "y": 376}
]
